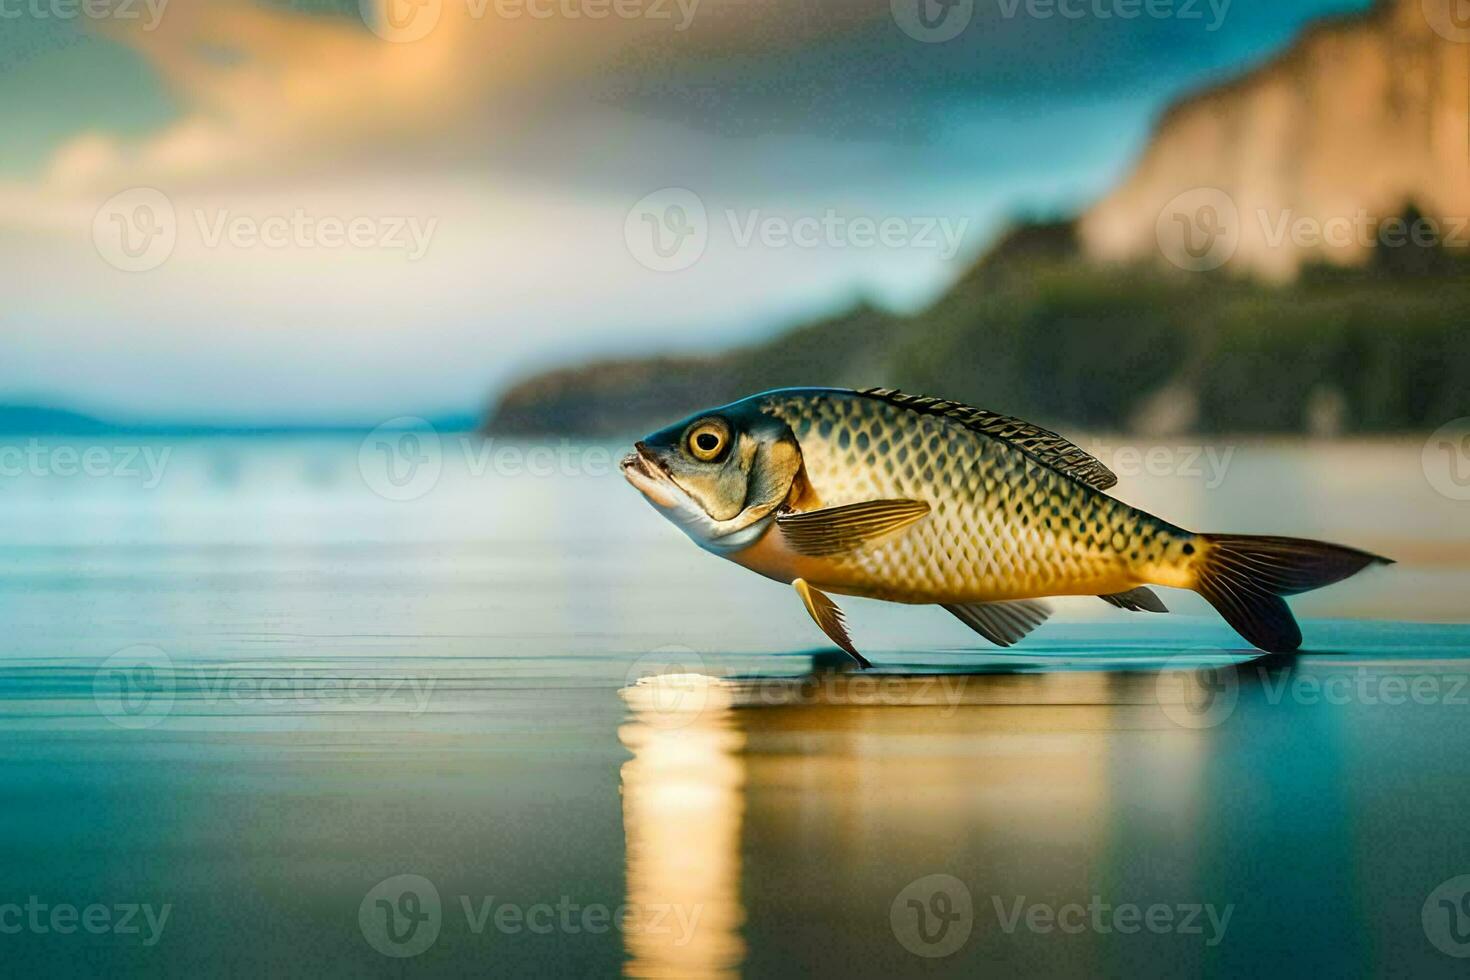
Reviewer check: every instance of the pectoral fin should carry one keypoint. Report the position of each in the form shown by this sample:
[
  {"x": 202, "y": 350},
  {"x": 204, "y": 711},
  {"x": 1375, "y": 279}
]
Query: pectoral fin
[
  {"x": 1141, "y": 599},
  {"x": 835, "y": 530},
  {"x": 1002, "y": 623},
  {"x": 826, "y": 614}
]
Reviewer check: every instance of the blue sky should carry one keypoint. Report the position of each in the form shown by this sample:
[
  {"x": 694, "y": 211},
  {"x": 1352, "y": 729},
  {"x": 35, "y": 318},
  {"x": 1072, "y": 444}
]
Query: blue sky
[{"x": 491, "y": 167}]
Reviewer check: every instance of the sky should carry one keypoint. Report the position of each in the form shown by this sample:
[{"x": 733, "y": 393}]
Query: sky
[{"x": 339, "y": 212}]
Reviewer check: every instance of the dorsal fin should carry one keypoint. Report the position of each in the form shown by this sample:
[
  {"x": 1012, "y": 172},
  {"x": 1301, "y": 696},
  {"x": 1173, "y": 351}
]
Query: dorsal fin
[{"x": 1042, "y": 445}]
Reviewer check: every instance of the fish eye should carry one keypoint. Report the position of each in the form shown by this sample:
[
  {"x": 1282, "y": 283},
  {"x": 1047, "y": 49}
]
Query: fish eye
[{"x": 707, "y": 440}]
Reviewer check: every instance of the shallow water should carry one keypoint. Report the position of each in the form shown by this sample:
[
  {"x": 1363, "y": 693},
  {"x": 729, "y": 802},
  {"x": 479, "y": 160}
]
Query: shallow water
[{"x": 258, "y": 692}]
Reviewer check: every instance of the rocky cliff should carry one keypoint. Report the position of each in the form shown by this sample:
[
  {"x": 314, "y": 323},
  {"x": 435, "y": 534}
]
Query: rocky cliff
[{"x": 1306, "y": 158}]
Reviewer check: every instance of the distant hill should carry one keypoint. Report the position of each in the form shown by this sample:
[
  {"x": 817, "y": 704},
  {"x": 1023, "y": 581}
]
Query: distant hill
[
  {"x": 34, "y": 420},
  {"x": 1088, "y": 323},
  {"x": 622, "y": 396},
  {"x": 1035, "y": 331}
]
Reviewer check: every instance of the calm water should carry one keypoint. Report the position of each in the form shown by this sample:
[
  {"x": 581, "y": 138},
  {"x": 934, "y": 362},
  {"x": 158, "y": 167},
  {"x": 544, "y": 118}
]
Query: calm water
[{"x": 257, "y": 714}]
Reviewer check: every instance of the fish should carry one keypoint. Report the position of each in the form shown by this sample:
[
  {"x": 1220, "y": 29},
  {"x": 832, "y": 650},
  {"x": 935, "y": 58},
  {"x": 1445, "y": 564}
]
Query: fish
[{"x": 924, "y": 501}]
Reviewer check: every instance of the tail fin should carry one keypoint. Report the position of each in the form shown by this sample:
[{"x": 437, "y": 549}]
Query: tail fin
[{"x": 1244, "y": 577}]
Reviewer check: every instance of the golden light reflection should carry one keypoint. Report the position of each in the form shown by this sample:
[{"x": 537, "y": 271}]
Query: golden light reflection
[
  {"x": 683, "y": 803},
  {"x": 856, "y": 785}
]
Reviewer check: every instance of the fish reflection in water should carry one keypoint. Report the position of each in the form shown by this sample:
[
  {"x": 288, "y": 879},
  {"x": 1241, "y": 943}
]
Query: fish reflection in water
[
  {"x": 825, "y": 794},
  {"x": 682, "y": 810}
]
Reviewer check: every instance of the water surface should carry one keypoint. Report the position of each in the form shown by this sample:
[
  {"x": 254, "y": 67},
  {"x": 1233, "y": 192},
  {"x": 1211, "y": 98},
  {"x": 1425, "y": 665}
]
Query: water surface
[{"x": 262, "y": 690}]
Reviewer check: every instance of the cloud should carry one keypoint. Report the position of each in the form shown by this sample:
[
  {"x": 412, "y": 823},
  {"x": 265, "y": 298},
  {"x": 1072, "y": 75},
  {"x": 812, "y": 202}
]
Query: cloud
[
  {"x": 268, "y": 93},
  {"x": 524, "y": 141}
]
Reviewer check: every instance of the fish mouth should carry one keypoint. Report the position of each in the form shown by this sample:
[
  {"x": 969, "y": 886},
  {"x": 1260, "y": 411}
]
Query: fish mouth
[
  {"x": 644, "y": 463},
  {"x": 650, "y": 477}
]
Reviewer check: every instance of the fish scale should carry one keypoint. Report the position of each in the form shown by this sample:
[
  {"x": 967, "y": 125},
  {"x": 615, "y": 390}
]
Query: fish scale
[{"x": 1001, "y": 526}]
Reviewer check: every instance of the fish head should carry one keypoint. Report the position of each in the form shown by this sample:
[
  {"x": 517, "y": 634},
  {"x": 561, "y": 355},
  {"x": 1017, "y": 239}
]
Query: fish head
[{"x": 719, "y": 474}]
